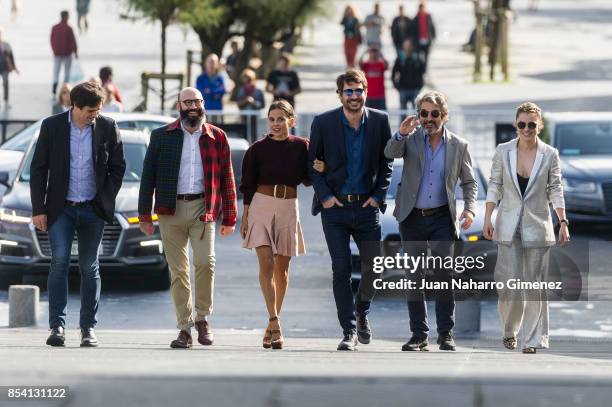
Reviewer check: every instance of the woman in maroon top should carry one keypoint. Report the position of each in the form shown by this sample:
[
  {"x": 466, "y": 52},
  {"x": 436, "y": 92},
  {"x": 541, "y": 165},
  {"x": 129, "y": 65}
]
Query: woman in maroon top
[{"x": 272, "y": 168}]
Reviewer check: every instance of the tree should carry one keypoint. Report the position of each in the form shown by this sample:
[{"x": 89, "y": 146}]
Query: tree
[
  {"x": 262, "y": 23},
  {"x": 164, "y": 11}
]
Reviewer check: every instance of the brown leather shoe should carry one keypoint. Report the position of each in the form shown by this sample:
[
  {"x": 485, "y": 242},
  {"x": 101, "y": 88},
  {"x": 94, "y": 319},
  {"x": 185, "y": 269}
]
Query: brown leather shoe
[
  {"x": 183, "y": 341},
  {"x": 205, "y": 335}
]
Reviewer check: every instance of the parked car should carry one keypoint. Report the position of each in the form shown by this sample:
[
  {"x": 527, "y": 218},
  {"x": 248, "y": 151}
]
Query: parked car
[
  {"x": 11, "y": 152},
  {"x": 25, "y": 250},
  {"x": 584, "y": 141}
]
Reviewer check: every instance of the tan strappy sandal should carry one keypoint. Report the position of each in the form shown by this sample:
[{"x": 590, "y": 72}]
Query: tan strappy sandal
[
  {"x": 267, "y": 339},
  {"x": 277, "y": 335}
]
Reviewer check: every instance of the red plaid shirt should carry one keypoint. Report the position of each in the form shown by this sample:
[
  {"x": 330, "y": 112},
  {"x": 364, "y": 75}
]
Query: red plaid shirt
[{"x": 219, "y": 185}]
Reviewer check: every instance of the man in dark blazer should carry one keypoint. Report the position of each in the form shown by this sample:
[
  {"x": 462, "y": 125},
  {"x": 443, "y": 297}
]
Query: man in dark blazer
[
  {"x": 350, "y": 193},
  {"x": 75, "y": 175}
]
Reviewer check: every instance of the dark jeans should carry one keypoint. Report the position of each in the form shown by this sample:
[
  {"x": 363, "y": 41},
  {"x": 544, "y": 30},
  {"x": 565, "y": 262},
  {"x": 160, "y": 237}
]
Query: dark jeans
[
  {"x": 408, "y": 96},
  {"x": 438, "y": 233},
  {"x": 5, "y": 84},
  {"x": 363, "y": 224},
  {"x": 89, "y": 228}
]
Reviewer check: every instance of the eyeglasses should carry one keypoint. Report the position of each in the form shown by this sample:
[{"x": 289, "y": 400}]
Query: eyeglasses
[
  {"x": 349, "y": 92},
  {"x": 425, "y": 113},
  {"x": 192, "y": 102},
  {"x": 530, "y": 125}
]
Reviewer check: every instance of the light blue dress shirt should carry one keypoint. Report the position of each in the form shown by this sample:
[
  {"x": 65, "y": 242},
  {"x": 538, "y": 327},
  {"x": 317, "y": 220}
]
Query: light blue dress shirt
[
  {"x": 82, "y": 182},
  {"x": 432, "y": 190}
]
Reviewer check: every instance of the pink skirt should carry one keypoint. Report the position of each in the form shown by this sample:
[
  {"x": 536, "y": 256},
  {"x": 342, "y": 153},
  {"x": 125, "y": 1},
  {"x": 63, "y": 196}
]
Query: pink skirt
[{"x": 275, "y": 222}]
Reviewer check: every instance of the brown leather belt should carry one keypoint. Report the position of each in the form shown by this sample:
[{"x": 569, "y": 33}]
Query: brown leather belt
[
  {"x": 189, "y": 197},
  {"x": 278, "y": 191},
  {"x": 431, "y": 211}
]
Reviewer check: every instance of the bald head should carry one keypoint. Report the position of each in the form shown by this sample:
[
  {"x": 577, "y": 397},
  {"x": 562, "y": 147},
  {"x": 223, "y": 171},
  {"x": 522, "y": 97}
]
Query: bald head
[
  {"x": 191, "y": 108},
  {"x": 189, "y": 93}
]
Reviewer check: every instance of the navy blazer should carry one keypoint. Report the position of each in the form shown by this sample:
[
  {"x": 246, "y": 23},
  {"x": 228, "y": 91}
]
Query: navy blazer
[
  {"x": 50, "y": 168},
  {"x": 327, "y": 143}
]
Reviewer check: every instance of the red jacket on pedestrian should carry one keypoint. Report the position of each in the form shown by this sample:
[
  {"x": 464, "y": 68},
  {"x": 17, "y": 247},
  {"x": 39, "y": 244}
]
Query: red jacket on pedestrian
[{"x": 63, "y": 41}]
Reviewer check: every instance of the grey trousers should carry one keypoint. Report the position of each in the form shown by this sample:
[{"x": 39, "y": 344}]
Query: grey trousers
[
  {"x": 523, "y": 310},
  {"x": 58, "y": 62}
]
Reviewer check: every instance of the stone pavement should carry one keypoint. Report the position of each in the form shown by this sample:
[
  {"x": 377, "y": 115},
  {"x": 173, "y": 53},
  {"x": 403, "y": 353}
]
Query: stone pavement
[{"x": 130, "y": 367}]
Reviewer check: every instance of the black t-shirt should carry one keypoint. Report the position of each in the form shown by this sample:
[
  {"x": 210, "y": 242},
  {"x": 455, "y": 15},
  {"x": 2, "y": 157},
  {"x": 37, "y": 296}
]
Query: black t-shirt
[{"x": 284, "y": 82}]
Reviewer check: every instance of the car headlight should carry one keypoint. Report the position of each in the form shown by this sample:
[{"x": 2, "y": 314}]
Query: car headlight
[
  {"x": 15, "y": 215},
  {"x": 132, "y": 217},
  {"x": 572, "y": 185}
]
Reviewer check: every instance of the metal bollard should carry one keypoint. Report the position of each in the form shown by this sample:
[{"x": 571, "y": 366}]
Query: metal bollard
[
  {"x": 23, "y": 305},
  {"x": 467, "y": 316}
]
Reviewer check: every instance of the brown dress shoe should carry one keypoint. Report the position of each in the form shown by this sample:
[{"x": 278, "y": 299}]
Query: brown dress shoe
[
  {"x": 205, "y": 335},
  {"x": 183, "y": 341}
]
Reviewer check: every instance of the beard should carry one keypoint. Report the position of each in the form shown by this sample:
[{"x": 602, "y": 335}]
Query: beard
[
  {"x": 430, "y": 131},
  {"x": 193, "y": 121},
  {"x": 348, "y": 105}
]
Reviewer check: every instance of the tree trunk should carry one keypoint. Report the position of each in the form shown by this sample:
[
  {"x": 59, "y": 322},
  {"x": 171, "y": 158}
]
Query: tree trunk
[{"x": 243, "y": 62}]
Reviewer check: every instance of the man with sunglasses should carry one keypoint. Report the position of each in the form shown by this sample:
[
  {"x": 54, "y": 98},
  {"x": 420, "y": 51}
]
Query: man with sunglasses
[
  {"x": 435, "y": 159},
  {"x": 350, "y": 194},
  {"x": 188, "y": 168}
]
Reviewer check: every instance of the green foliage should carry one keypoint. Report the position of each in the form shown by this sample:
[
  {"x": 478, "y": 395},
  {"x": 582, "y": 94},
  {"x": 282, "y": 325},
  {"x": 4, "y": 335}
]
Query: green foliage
[{"x": 157, "y": 10}]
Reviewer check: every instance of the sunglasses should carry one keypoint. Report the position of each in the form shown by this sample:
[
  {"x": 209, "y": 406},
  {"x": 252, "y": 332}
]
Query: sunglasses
[
  {"x": 349, "y": 92},
  {"x": 434, "y": 113},
  {"x": 530, "y": 125}
]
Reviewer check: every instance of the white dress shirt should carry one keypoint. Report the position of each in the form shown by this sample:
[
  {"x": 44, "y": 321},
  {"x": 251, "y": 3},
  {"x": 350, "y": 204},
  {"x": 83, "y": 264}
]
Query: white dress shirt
[{"x": 191, "y": 174}]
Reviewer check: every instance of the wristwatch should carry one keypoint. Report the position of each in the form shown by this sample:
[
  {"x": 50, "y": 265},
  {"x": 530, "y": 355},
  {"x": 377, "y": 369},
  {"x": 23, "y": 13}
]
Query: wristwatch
[{"x": 564, "y": 221}]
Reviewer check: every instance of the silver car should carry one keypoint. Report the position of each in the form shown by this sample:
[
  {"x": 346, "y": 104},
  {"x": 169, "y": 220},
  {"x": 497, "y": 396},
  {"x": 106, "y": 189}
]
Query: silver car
[{"x": 25, "y": 250}]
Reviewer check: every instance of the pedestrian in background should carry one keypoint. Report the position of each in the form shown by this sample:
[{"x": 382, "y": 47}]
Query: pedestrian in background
[
  {"x": 374, "y": 68},
  {"x": 190, "y": 194},
  {"x": 352, "y": 35},
  {"x": 350, "y": 195},
  {"x": 374, "y": 24},
  {"x": 232, "y": 59},
  {"x": 82, "y": 8},
  {"x": 525, "y": 180},
  {"x": 407, "y": 76},
  {"x": 7, "y": 66},
  {"x": 106, "y": 78},
  {"x": 76, "y": 172},
  {"x": 248, "y": 96},
  {"x": 211, "y": 84},
  {"x": 272, "y": 169},
  {"x": 64, "y": 45},
  {"x": 111, "y": 105},
  {"x": 424, "y": 32},
  {"x": 62, "y": 103},
  {"x": 283, "y": 82},
  {"x": 401, "y": 29}
]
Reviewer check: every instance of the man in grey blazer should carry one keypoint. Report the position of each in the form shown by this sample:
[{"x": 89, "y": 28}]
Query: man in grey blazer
[{"x": 434, "y": 160}]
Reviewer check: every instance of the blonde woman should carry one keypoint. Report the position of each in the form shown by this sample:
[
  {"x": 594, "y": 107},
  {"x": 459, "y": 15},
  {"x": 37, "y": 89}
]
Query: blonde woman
[
  {"x": 272, "y": 169},
  {"x": 62, "y": 103},
  {"x": 525, "y": 180}
]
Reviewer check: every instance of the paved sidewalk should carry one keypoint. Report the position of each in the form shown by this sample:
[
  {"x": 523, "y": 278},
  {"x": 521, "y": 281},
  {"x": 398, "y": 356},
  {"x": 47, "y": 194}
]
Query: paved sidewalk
[{"x": 133, "y": 365}]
